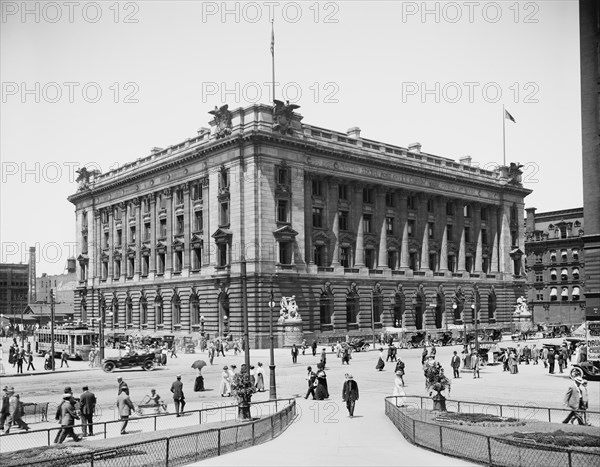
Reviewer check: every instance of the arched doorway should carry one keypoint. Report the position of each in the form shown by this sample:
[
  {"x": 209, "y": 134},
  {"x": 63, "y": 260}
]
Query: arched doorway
[
  {"x": 419, "y": 311},
  {"x": 439, "y": 311}
]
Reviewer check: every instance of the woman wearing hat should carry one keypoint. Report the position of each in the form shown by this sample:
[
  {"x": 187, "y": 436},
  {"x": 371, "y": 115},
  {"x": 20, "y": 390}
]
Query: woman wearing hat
[
  {"x": 380, "y": 363},
  {"x": 225, "y": 387},
  {"x": 260, "y": 379},
  {"x": 321, "y": 391},
  {"x": 399, "y": 388}
]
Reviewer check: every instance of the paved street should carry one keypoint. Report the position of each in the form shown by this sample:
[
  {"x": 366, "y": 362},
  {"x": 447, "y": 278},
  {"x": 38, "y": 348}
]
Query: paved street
[{"x": 322, "y": 434}]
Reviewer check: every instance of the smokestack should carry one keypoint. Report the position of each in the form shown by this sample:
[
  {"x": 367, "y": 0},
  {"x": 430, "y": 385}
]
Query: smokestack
[{"x": 32, "y": 291}]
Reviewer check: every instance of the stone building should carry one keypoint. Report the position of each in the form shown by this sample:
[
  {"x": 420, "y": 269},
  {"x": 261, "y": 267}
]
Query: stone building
[
  {"x": 366, "y": 235},
  {"x": 554, "y": 248}
]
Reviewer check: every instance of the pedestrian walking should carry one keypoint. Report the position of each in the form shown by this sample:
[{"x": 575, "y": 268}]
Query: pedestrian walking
[
  {"x": 475, "y": 364},
  {"x": 324, "y": 358},
  {"x": 63, "y": 358},
  {"x": 225, "y": 387},
  {"x": 311, "y": 377},
  {"x": 584, "y": 402},
  {"x": 399, "y": 370},
  {"x": 551, "y": 361},
  {"x": 29, "y": 357},
  {"x": 294, "y": 352},
  {"x": 573, "y": 399},
  {"x": 174, "y": 350},
  {"x": 260, "y": 379},
  {"x": 5, "y": 407},
  {"x": 125, "y": 407},
  {"x": 92, "y": 358},
  {"x": 455, "y": 364},
  {"x": 68, "y": 393},
  {"x": 178, "y": 397},
  {"x": 350, "y": 393},
  {"x": 20, "y": 357},
  {"x": 67, "y": 419},
  {"x": 321, "y": 391},
  {"x": 346, "y": 354},
  {"x": 122, "y": 386},
  {"x": 211, "y": 352},
  {"x": 303, "y": 346},
  {"x": 220, "y": 348},
  {"x": 380, "y": 363},
  {"x": 314, "y": 348},
  {"x": 399, "y": 389},
  {"x": 87, "y": 401},
  {"x": 199, "y": 383}
]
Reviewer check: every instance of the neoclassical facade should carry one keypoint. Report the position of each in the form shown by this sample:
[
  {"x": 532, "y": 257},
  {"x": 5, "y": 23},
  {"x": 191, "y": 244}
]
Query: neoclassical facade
[{"x": 365, "y": 235}]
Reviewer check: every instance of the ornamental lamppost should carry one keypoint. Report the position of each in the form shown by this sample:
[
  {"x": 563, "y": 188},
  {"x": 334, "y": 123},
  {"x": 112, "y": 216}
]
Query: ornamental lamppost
[
  {"x": 202, "y": 325},
  {"x": 475, "y": 319},
  {"x": 272, "y": 385}
]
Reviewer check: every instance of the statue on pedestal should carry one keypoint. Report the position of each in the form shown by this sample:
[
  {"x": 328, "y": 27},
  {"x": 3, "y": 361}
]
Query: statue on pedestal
[{"x": 289, "y": 310}]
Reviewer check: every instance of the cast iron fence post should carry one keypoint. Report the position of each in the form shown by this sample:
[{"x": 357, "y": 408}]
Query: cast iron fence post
[
  {"x": 441, "y": 442},
  {"x": 253, "y": 440},
  {"x": 167, "y": 454},
  {"x": 104, "y": 430},
  {"x": 489, "y": 450},
  {"x": 219, "y": 442}
]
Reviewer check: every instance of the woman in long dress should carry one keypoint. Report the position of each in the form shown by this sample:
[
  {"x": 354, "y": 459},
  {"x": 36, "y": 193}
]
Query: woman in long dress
[
  {"x": 380, "y": 362},
  {"x": 399, "y": 389},
  {"x": 225, "y": 387},
  {"x": 321, "y": 392},
  {"x": 260, "y": 379}
]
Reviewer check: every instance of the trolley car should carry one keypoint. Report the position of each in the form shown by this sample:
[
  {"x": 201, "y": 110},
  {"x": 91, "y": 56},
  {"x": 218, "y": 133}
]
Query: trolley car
[{"x": 78, "y": 341}]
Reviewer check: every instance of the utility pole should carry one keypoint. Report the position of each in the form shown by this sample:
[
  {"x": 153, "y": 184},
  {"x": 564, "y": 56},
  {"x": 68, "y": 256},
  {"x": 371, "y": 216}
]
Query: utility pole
[
  {"x": 272, "y": 385},
  {"x": 52, "y": 328}
]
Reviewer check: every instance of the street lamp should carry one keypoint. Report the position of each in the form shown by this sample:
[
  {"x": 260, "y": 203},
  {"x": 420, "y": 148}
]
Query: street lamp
[
  {"x": 202, "y": 325},
  {"x": 225, "y": 326},
  {"x": 272, "y": 386}
]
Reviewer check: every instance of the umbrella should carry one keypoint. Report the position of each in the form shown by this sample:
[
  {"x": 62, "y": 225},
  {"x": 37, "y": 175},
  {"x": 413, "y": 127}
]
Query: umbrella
[{"x": 199, "y": 364}]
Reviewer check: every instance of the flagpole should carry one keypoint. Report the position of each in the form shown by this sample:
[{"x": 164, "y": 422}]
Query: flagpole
[
  {"x": 273, "y": 55},
  {"x": 503, "y": 136}
]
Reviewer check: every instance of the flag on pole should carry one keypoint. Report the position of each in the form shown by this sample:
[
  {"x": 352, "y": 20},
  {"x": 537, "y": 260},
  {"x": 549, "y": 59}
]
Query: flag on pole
[
  {"x": 272, "y": 39},
  {"x": 509, "y": 116}
]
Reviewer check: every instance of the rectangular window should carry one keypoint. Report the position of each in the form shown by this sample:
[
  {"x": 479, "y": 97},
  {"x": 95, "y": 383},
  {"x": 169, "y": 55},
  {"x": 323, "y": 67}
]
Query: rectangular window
[
  {"x": 450, "y": 232},
  {"x": 467, "y": 234},
  {"x": 433, "y": 261},
  {"x": 429, "y": 205},
  {"x": 224, "y": 214},
  {"x": 119, "y": 237},
  {"x": 179, "y": 227},
  {"x": 367, "y": 223},
  {"x": 224, "y": 179},
  {"x": 147, "y": 232},
  {"x": 343, "y": 218},
  {"x": 104, "y": 270},
  {"x": 484, "y": 214},
  {"x": 163, "y": 228},
  {"x": 411, "y": 228},
  {"x": 370, "y": 258},
  {"x": 368, "y": 195},
  {"x": 179, "y": 196},
  {"x": 317, "y": 187},
  {"x": 485, "y": 264},
  {"x": 130, "y": 266},
  {"x": 145, "y": 265},
  {"x": 484, "y": 237},
  {"x": 285, "y": 256},
  {"x": 222, "y": 259},
  {"x": 343, "y": 191},
  {"x": 117, "y": 270},
  {"x": 391, "y": 259},
  {"x": 389, "y": 225},
  {"x": 430, "y": 230},
  {"x": 539, "y": 277},
  {"x": 413, "y": 261},
  {"x": 513, "y": 238},
  {"x": 451, "y": 263},
  {"x": 132, "y": 234},
  {"x": 469, "y": 263},
  {"x": 117, "y": 213},
  {"x": 449, "y": 208},
  {"x": 282, "y": 210},
  {"x": 178, "y": 261},
  {"x": 467, "y": 210},
  {"x": 198, "y": 221},
  {"x": 197, "y": 259},
  {"x": 389, "y": 199},
  {"x": 84, "y": 220},
  {"x": 106, "y": 239},
  {"x": 283, "y": 176},
  {"x": 146, "y": 205},
  {"x": 160, "y": 263},
  {"x": 411, "y": 202},
  {"x": 317, "y": 217},
  {"x": 345, "y": 257},
  {"x": 319, "y": 255},
  {"x": 196, "y": 191}
]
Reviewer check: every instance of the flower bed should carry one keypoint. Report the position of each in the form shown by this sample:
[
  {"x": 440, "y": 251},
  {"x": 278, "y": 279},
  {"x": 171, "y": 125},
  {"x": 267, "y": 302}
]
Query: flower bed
[
  {"x": 556, "y": 438},
  {"x": 477, "y": 419}
]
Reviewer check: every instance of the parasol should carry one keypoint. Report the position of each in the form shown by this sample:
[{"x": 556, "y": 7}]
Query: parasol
[{"x": 198, "y": 364}]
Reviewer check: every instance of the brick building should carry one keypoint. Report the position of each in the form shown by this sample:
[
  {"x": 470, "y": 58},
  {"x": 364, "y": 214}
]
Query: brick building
[
  {"x": 364, "y": 234},
  {"x": 14, "y": 288},
  {"x": 554, "y": 249}
]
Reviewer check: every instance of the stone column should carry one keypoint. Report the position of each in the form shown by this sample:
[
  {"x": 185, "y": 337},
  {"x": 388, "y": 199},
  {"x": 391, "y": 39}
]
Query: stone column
[
  {"x": 380, "y": 220},
  {"x": 98, "y": 234},
  {"x": 334, "y": 214},
  {"x": 125, "y": 239},
  {"x": 493, "y": 222},
  {"x": 186, "y": 256},
  {"x": 309, "y": 256},
  {"x": 504, "y": 242},
  {"x": 477, "y": 232},
  {"x": 441, "y": 233},
  {"x": 154, "y": 226},
  {"x": 402, "y": 200},
  {"x": 423, "y": 219},
  {"x": 111, "y": 243},
  {"x": 139, "y": 232},
  {"x": 359, "y": 256},
  {"x": 460, "y": 231},
  {"x": 168, "y": 193}
]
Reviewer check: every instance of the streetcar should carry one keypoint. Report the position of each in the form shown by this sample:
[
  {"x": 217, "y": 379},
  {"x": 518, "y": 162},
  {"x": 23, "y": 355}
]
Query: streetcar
[{"x": 77, "y": 340}]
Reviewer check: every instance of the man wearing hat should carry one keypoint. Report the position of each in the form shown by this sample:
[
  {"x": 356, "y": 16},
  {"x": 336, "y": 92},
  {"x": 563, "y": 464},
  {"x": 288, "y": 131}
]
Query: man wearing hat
[
  {"x": 573, "y": 400},
  {"x": 67, "y": 419},
  {"x": 125, "y": 407},
  {"x": 88, "y": 406},
  {"x": 4, "y": 411},
  {"x": 350, "y": 394},
  {"x": 178, "y": 397},
  {"x": 122, "y": 386},
  {"x": 15, "y": 412}
]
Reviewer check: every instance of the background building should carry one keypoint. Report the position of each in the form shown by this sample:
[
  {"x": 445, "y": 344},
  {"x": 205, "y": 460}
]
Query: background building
[
  {"x": 64, "y": 285},
  {"x": 14, "y": 288},
  {"x": 364, "y": 234},
  {"x": 554, "y": 247},
  {"x": 589, "y": 33}
]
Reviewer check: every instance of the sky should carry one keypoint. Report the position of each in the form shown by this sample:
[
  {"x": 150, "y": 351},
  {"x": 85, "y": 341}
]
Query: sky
[{"x": 99, "y": 84}]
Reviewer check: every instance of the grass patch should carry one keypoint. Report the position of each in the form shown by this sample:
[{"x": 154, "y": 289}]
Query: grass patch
[
  {"x": 559, "y": 438},
  {"x": 474, "y": 418}
]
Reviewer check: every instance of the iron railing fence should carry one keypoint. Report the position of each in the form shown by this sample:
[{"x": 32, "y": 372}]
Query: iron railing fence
[{"x": 491, "y": 450}]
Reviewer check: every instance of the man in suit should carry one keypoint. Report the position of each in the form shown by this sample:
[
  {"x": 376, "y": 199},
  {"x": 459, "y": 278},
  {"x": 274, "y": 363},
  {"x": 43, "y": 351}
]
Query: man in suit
[
  {"x": 88, "y": 406},
  {"x": 123, "y": 387},
  {"x": 295, "y": 352},
  {"x": 350, "y": 394},
  {"x": 310, "y": 377},
  {"x": 455, "y": 364},
  {"x": 67, "y": 419},
  {"x": 178, "y": 397},
  {"x": 573, "y": 400},
  {"x": 125, "y": 407},
  {"x": 551, "y": 360}
]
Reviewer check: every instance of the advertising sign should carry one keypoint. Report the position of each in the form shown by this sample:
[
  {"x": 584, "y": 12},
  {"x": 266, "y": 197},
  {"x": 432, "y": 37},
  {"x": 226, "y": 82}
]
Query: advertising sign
[{"x": 593, "y": 340}]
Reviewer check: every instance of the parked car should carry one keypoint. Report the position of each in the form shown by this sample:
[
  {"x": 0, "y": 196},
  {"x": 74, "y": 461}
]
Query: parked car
[{"x": 146, "y": 361}]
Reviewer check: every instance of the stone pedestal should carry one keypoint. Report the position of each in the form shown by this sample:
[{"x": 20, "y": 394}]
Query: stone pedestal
[{"x": 291, "y": 333}]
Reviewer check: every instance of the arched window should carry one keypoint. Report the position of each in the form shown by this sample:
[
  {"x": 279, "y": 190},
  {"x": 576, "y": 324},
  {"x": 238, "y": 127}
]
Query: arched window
[
  {"x": 399, "y": 308},
  {"x": 326, "y": 307},
  {"x": 564, "y": 295},
  {"x": 553, "y": 294},
  {"x": 575, "y": 293},
  {"x": 575, "y": 274},
  {"x": 176, "y": 309},
  {"x": 352, "y": 307},
  {"x": 195, "y": 309},
  {"x": 553, "y": 255},
  {"x": 143, "y": 311},
  {"x": 564, "y": 274},
  {"x": 553, "y": 274},
  {"x": 563, "y": 255},
  {"x": 575, "y": 254}
]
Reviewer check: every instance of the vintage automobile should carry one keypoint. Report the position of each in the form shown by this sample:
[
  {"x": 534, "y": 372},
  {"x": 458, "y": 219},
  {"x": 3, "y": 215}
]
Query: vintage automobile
[
  {"x": 188, "y": 345},
  {"x": 359, "y": 344},
  {"x": 587, "y": 370},
  {"x": 146, "y": 361}
]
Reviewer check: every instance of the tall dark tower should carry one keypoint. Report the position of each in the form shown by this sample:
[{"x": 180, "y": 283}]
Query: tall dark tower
[
  {"x": 32, "y": 292},
  {"x": 589, "y": 22}
]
